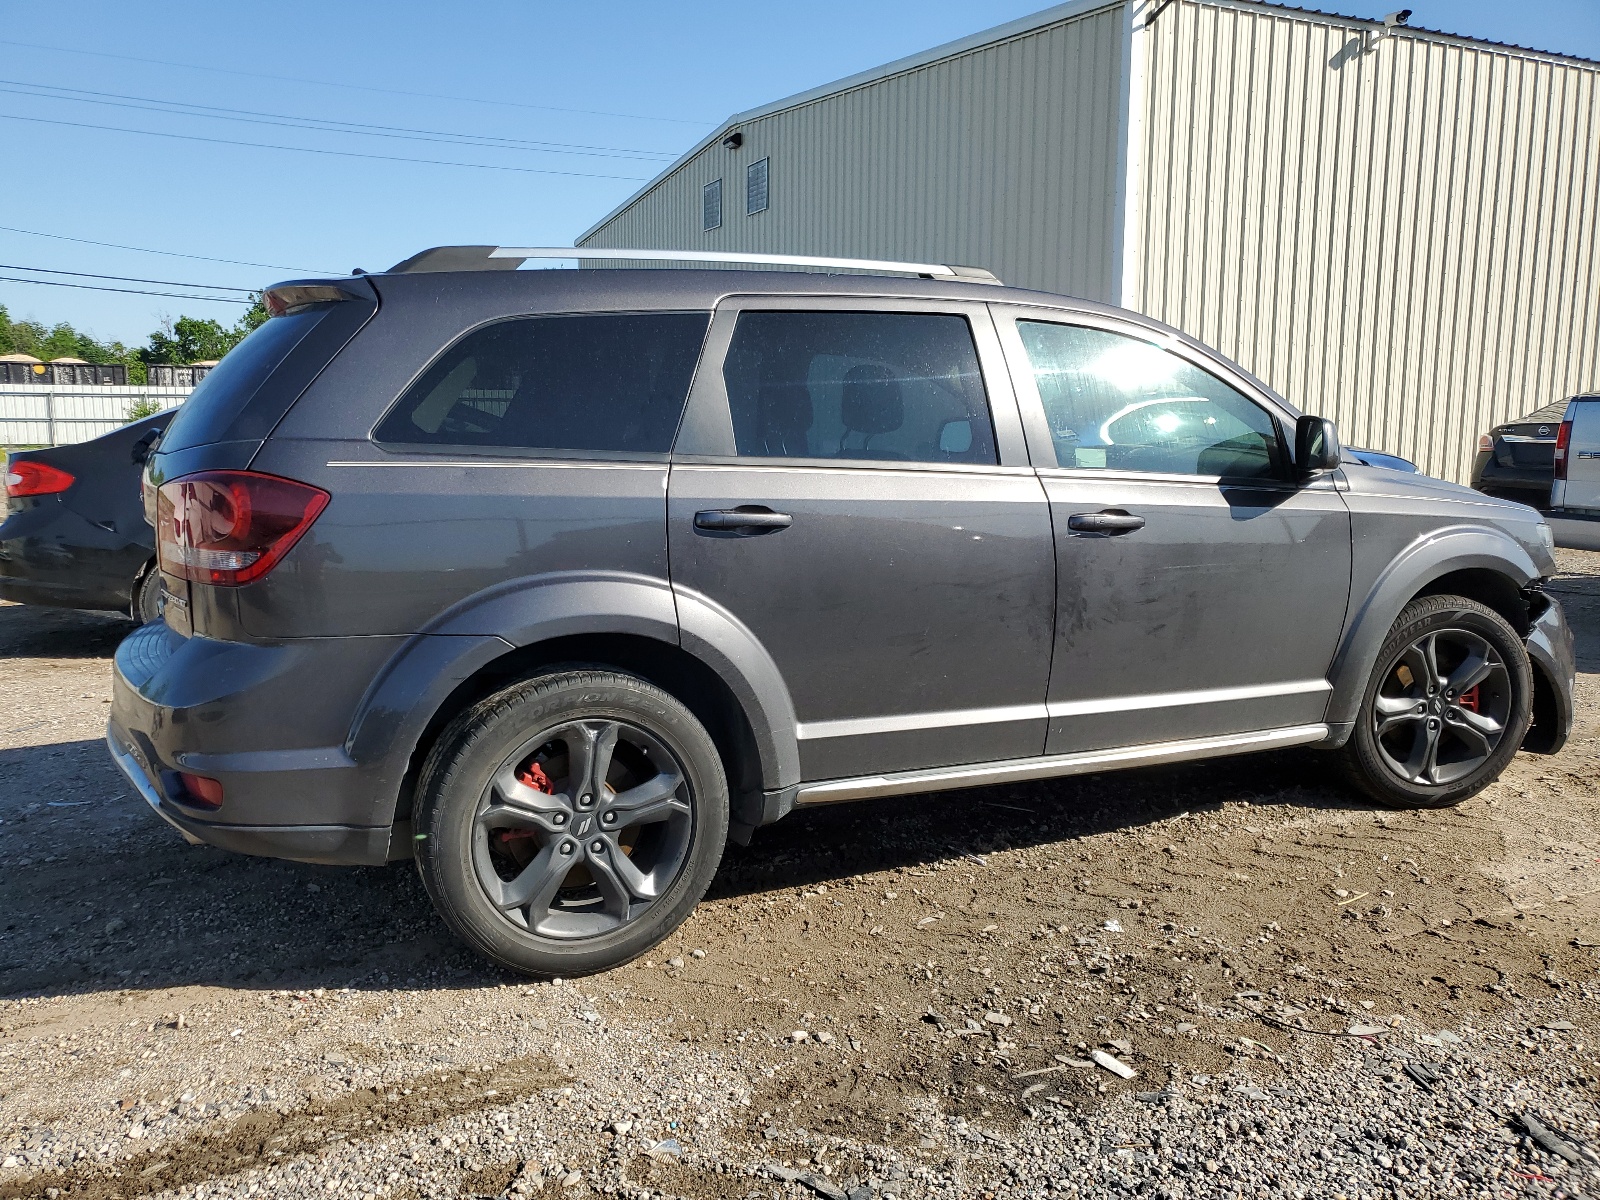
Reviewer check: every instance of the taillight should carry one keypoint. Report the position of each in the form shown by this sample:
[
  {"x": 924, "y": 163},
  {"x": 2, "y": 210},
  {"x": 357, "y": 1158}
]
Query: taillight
[
  {"x": 1563, "y": 437},
  {"x": 1485, "y": 444},
  {"x": 28, "y": 478},
  {"x": 231, "y": 527}
]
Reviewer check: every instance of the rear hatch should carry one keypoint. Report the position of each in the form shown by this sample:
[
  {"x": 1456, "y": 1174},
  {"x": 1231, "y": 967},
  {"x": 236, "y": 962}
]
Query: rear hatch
[
  {"x": 233, "y": 410},
  {"x": 1529, "y": 443}
]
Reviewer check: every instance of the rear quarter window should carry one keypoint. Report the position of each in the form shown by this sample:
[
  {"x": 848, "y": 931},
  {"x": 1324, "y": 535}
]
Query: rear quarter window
[{"x": 593, "y": 384}]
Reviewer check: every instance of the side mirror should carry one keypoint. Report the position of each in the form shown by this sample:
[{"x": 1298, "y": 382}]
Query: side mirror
[
  {"x": 1316, "y": 445},
  {"x": 955, "y": 437}
]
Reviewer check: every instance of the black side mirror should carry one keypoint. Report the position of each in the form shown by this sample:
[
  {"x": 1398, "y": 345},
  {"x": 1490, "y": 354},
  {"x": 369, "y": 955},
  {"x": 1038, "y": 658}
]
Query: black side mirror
[{"x": 1316, "y": 445}]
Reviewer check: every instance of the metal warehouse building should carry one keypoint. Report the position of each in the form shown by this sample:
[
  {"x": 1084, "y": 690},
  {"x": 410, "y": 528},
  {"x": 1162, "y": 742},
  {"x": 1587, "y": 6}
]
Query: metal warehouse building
[{"x": 1393, "y": 227}]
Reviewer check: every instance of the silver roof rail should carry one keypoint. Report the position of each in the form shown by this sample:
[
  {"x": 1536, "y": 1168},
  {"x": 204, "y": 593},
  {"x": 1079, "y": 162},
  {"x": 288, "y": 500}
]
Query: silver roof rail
[{"x": 508, "y": 258}]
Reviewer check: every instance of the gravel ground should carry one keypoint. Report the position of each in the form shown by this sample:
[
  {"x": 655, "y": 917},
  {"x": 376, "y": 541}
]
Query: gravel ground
[{"x": 929, "y": 997}]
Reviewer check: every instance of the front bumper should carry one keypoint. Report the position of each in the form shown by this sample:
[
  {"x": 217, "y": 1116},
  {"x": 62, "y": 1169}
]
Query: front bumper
[
  {"x": 225, "y": 710},
  {"x": 1550, "y": 650}
]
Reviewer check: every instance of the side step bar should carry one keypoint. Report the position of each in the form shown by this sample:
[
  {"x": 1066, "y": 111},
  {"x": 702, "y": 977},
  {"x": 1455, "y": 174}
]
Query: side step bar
[{"x": 943, "y": 779}]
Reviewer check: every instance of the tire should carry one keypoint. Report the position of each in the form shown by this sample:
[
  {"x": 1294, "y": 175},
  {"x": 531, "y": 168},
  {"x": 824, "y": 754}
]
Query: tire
[
  {"x": 147, "y": 596},
  {"x": 1417, "y": 743},
  {"x": 539, "y": 869}
]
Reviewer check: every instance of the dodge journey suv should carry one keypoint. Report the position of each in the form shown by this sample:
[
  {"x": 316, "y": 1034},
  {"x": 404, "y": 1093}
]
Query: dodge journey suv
[{"x": 557, "y": 580}]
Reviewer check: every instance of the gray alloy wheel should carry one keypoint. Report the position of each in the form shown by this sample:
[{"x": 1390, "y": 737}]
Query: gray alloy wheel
[
  {"x": 1441, "y": 710},
  {"x": 1448, "y": 704},
  {"x": 582, "y": 828},
  {"x": 570, "y": 822}
]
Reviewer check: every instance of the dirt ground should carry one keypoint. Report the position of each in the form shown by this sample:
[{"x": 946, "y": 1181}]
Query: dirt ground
[{"x": 179, "y": 1020}]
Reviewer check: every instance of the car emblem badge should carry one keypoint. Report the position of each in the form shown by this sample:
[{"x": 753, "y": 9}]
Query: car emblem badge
[
  {"x": 584, "y": 827},
  {"x": 1544, "y": 431}
]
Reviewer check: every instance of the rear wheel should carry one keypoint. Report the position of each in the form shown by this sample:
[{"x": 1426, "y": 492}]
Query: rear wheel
[
  {"x": 147, "y": 596},
  {"x": 571, "y": 822},
  {"x": 1449, "y": 702}
]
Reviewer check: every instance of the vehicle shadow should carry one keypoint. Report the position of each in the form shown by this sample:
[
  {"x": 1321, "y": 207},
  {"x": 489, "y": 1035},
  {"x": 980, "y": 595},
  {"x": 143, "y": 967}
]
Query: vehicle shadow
[
  {"x": 33, "y": 631},
  {"x": 98, "y": 894}
]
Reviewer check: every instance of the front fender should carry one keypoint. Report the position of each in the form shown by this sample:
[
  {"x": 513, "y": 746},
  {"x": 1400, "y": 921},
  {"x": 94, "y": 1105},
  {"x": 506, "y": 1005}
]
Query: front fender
[{"x": 1432, "y": 556}]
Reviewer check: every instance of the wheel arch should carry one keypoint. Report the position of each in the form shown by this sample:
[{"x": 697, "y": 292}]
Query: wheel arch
[
  {"x": 628, "y": 623},
  {"x": 1481, "y": 563}
]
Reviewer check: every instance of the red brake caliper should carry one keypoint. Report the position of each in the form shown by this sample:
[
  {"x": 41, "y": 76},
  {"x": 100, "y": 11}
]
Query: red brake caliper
[
  {"x": 532, "y": 775},
  {"x": 1469, "y": 699}
]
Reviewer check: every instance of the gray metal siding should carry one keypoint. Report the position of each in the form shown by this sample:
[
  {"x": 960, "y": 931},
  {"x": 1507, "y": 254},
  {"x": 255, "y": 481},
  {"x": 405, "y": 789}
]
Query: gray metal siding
[
  {"x": 1005, "y": 157},
  {"x": 1401, "y": 236}
]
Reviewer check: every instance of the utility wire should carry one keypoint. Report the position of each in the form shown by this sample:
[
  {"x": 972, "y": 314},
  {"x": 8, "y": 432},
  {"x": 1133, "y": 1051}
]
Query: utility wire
[
  {"x": 357, "y": 87},
  {"x": 92, "y": 287},
  {"x": 321, "y": 124},
  {"x": 126, "y": 278},
  {"x": 232, "y": 262},
  {"x": 433, "y": 162}
]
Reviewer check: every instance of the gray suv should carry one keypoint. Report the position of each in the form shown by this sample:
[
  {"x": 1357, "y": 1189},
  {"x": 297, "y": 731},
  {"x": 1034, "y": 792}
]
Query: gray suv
[{"x": 557, "y": 580}]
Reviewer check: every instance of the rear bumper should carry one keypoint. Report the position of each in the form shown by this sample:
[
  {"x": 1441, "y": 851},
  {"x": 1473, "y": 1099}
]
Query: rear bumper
[
  {"x": 1549, "y": 644},
  {"x": 1489, "y": 476},
  {"x": 54, "y": 556},
  {"x": 227, "y": 711}
]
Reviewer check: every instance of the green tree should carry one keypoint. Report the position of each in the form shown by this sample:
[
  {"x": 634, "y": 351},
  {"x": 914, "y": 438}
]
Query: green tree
[
  {"x": 63, "y": 341},
  {"x": 197, "y": 339}
]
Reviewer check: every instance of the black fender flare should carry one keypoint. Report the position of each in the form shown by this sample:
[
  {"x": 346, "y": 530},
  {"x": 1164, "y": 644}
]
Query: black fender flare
[
  {"x": 395, "y": 712},
  {"x": 1432, "y": 556}
]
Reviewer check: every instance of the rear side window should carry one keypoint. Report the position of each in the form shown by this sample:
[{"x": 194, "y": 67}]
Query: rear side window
[
  {"x": 222, "y": 395},
  {"x": 897, "y": 387},
  {"x": 601, "y": 383}
]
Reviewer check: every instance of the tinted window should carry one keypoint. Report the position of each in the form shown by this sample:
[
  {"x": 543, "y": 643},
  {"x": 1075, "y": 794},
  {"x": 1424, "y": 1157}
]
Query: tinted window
[
  {"x": 228, "y": 387},
  {"x": 1118, "y": 403},
  {"x": 886, "y": 386},
  {"x": 610, "y": 384}
]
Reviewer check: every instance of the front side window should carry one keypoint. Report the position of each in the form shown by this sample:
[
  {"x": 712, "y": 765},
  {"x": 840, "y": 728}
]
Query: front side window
[
  {"x": 603, "y": 383},
  {"x": 897, "y": 387},
  {"x": 1117, "y": 403}
]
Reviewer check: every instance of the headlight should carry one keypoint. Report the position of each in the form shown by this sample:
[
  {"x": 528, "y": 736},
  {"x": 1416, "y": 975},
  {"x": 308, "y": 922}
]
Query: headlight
[{"x": 1547, "y": 536}]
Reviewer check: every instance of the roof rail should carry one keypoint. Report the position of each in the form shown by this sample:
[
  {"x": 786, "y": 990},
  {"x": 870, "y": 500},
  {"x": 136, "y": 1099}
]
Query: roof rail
[{"x": 508, "y": 258}]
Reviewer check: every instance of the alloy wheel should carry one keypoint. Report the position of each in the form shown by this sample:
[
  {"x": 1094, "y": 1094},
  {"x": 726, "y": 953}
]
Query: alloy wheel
[
  {"x": 1442, "y": 708},
  {"x": 582, "y": 829}
]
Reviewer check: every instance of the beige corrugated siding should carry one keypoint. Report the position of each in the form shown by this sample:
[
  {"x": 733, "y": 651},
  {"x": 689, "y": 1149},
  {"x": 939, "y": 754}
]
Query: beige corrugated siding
[
  {"x": 1005, "y": 157},
  {"x": 1402, "y": 237}
]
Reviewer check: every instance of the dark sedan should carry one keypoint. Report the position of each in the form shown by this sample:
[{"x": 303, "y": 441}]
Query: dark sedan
[
  {"x": 1517, "y": 460},
  {"x": 75, "y": 534}
]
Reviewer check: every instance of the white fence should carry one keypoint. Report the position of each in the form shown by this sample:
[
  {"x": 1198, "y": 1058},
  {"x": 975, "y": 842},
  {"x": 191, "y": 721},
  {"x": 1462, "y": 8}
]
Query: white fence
[{"x": 45, "y": 415}]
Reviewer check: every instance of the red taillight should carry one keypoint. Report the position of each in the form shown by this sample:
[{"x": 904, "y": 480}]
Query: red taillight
[
  {"x": 1563, "y": 437},
  {"x": 231, "y": 527},
  {"x": 200, "y": 792},
  {"x": 28, "y": 478}
]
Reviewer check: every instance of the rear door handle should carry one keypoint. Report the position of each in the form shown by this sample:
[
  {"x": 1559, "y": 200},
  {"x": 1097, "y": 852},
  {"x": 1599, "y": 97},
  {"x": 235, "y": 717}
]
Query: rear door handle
[
  {"x": 1111, "y": 522},
  {"x": 742, "y": 520}
]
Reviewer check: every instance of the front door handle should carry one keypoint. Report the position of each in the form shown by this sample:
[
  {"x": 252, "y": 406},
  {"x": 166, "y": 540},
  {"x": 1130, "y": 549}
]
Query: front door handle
[
  {"x": 742, "y": 520},
  {"x": 1111, "y": 522}
]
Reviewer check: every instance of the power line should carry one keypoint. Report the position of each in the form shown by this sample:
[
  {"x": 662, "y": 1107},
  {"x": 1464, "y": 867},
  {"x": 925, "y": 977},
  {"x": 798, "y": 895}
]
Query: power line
[
  {"x": 125, "y": 278},
  {"x": 91, "y": 287},
  {"x": 232, "y": 262},
  {"x": 45, "y": 91},
  {"x": 357, "y": 87},
  {"x": 433, "y": 162}
]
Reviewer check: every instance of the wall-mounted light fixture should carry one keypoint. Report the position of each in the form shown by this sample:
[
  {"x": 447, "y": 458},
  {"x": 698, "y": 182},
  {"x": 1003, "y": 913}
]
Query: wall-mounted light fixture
[{"x": 733, "y": 141}]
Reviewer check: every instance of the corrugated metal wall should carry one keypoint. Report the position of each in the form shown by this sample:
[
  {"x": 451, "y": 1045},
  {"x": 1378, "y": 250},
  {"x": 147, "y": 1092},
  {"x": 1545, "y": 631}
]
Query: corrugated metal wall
[
  {"x": 1004, "y": 157},
  {"x": 1402, "y": 234}
]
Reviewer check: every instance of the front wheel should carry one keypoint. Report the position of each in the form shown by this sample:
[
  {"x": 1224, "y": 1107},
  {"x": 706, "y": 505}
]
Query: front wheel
[
  {"x": 1448, "y": 704},
  {"x": 570, "y": 822}
]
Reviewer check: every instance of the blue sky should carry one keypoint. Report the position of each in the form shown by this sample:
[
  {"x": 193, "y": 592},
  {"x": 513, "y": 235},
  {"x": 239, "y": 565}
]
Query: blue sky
[{"x": 631, "y": 82}]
